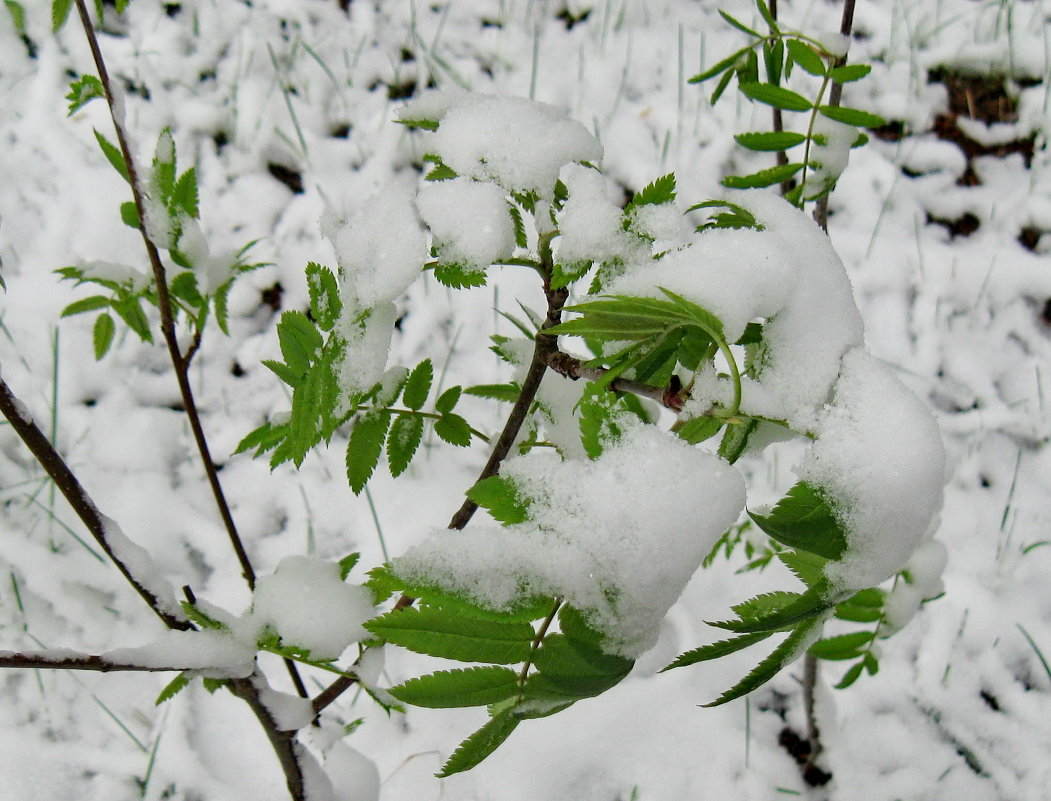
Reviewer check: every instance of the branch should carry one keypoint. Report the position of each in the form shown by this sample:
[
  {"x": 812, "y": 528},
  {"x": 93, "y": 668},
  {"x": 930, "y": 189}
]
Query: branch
[
  {"x": 100, "y": 526},
  {"x": 670, "y": 397},
  {"x": 180, "y": 361},
  {"x": 62, "y": 660}
]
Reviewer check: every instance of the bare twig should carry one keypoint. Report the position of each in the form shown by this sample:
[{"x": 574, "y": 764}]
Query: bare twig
[
  {"x": 779, "y": 124},
  {"x": 50, "y": 660},
  {"x": 70, "y": 487}
]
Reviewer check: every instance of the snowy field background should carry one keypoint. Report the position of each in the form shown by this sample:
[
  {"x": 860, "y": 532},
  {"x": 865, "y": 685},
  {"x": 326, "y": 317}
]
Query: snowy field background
[{"x": 285, "y": 108}]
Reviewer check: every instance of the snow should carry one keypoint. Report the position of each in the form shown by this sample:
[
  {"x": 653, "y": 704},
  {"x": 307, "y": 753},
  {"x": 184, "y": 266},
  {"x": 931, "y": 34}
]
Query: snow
[
  {"x": 830, "y": 152},
  {"x": 619, "y": 549},
  {"x": 309, "y": 606},
  {"x": 140, "y": 565},
  {"x": 879, "y": 459},
  {"x": 589, "y": 224},
  {"x": 518, "y": 144},
  {"x": 469, "y": 220},
  {"x": 215, "y": 654},
  {"x": 960, "y": 321}
]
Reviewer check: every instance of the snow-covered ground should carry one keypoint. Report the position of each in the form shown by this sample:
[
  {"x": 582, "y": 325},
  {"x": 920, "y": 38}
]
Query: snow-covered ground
[{"x": 285, "y": 107}]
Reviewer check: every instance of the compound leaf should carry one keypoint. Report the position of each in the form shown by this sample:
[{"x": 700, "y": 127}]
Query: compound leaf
[
  {"x": 480, "y": 744},
  {"x": 719, "y": 649},
  {"x": 445, "y": 689},
  {"x": 803, "y": 519},
  {"x": 445, "y": 633}
]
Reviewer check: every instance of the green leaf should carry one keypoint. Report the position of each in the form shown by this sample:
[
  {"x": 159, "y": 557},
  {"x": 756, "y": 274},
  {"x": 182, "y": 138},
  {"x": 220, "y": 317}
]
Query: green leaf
[
  {"x": 18, "y": 16},
  {"x": 427, "y": 125},
  {"x": 263, "y": 439},
  {"x": 459, "y": 276},
  {"x": 82, "y": 91},
  {"x": 447, "y": 400},
  {"x": 498, "y": 496},
  {"x": 735, "y": 440},
  {"x": 184, "y": 286},
  {"x": 441, "y": 172},
  {"x": 129, "y": 310},
  {"x": 845, "y": 646},
  {"x": 575, "y": 670},
  {"x": 770, "y": 141},
  {"x": 850, "y": 72},
  {"x": 767, "y": 177},
  {"x": 717, "y": 650},
  {"x": 721, "y": 86},
  {"x": 102, "y": 335},
  {"x": 850, "y": 676},
  {"x": 718, "y": 67},
  {"x": 762, "y": 605},
  {"x": 565, "y": 274},
  {"x": 698, "y": 429},
  {"x": 502, "y": 392},
  {"x": 93, "y": 303},
  {"x": 402, "y": 441},
  {"x": 807, "y": 606},
  {"x": 480, "y": 744},
  {"x": 346, "y": 564},
  {"x": 453, "y": 429},
  {"x": 129, "y": 215},
  {"x": 211, "y": 685},
  {"x": 660, "y": 190},
  {"x": 325, "y": 303},
  {"x": 476, "y": 686},
  {"x": 806, "y": 57},
  {"x": 184, "y": 194},
  {"x": 200, "y": 618},
  {"x": 852, "y": 116},
  {"x": 600, "y": 413},
  {"x": 784, "y": 653},
  {"x": 299, "y": 340},
  {"x": 59, "y": 13},
  {"x": 519, "y": 225},
  {"x": 739, "y": 25},
  {"x": 803, "y": 519},
  {"x": 283, "y": 371},
  {"x": 768, "y": 18},
  {"x": 807, "y": 567},
  {"x": 748, "y": 72},
  {"x": 365, "y": 447},
  {"x": 173, "y": 687},
  {"x": 418, "y": 385},
  {"x": 776, "y": 96},
  {"x": 446, "y": 633},
  {"x": 113, "y": 155}
]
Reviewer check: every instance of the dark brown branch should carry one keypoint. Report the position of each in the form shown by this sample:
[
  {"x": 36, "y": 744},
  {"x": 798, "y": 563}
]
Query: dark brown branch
[
  {"x": 45, "y": 660},
  {"x": 670, "y": 397},
  {"x": 180, "y": 361},
  {"x": 72, "y": 490},
  {"x": 284, "y": 743},
  {"x": 835, "y": 95},
  {"x": 779, "y": 125}
]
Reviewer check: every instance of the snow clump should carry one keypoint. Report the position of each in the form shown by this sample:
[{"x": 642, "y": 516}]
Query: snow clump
[
  {"x": 469, "y": 221},
  {"x": 617, "y": 537}
]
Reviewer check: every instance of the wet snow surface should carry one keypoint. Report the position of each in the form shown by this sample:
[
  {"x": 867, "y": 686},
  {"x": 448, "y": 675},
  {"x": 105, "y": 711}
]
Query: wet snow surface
[{"x": 285, "y": 109}]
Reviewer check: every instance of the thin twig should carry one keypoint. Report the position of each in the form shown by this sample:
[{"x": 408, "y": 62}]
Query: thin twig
[
  {"x": 779, "y": 124},
  {"x": 835, "y": 95},
  {"x": 45, "y": 660},
  {"x": 72, "y": 490}
]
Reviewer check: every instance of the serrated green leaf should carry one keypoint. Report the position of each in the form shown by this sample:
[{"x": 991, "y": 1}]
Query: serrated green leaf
[
  {"x": 808, "y": 567},
  {"x": 565, "y": 274},
  {"x": 699, "y": 429},
  {"x": 184, "y": 286},
  {"x": 502, "y": 392},
  {"x": 102, "y": 335},
  {"x": 767, "y": 177},
  {"x": 844, "y": 646},
  {"x": 402, "y": 442},
  {"x": 427, "y": 125},
  {"x": 18, "y": 16},
  {"x": 806, "y": 57},
  {"x": 93, "y": 303},
  {"x": 446, "y": 689},
  {"x": 129, "y": 215},
  {"x": 211, "y": 685},
  {"x": 521, "y": 240},
  {"x": 803, "y": 519},
  {"x": 660, "y": 190},
  {"x": 453, "y": 429},
  {"x": 325, "y": 303},
  {"x": 184, "y": 194},
  {"x": 365, "y": 447},
  {"x": 850, "y": 72},
  {"x": 346, "y": 564},
  {"x": 459, "y": 276},
  {"x": 447, "y": 400},
  {"x": 59, "y": 13},
  {"x": 790, "y": 648},
  {"x": 283, "y": 371},
  {"x": 523, "y": 610},
  {"x": 764, "y": 604},
  {"x": 173, "y": 687},
  {"x": 770, "y": 141},
  {"x": 576, "y": 670},
  {"x": 480, "y": 744},
  {"x": 748, "y": 72},
  {"x": 717, "y": 650},
  {"x": 497, "y": 495},
  {"x": 263, "y": 439},
  {"x": 808, "y": 606},
  {"x": 850, "y": 676},
  {"x": 82, "y": 91},
  {"x": 735, "y": 439},
  {"x": 739, "y": 25},
  {"x": 600, "y": 411},
  {"x": 440, "y": 172},
  {"x": 776, "y": 96},
  {"x": 852, "y": 116},
  {"x": 418, "y": 385},
  {"x": 299, "y": 340},
  {"x": 721, "y": 86},
  {"x": 199, "y": 617},
  {"x": 448, "y": 634}
]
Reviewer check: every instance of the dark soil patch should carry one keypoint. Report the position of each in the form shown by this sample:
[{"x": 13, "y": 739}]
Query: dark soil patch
[
  {"x": 293, "y": 179},
  {"x": 962, "y": 226},
  {"x": 801, "y": 751},
  {"x": 271, "y": 296},
  {"x": 1029, "y": 237}
]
